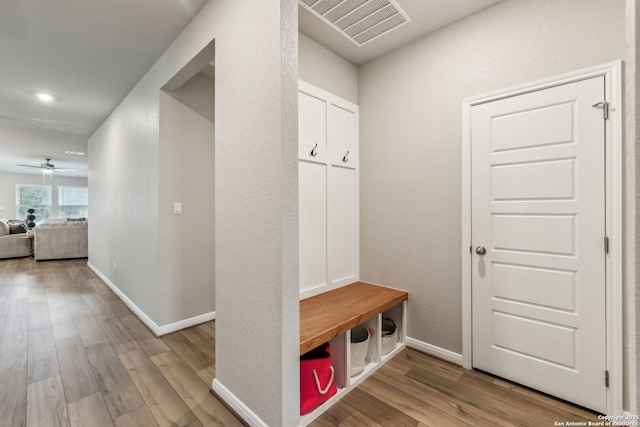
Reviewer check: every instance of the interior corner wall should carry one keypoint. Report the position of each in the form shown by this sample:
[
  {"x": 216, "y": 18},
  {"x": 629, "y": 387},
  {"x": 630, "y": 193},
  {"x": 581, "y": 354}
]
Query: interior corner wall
[
  {"x": 187, "y": 136},
  {"x": 324, "y": 69},
  {"x": 411, "y": 132},
  {"x": 256, "y": 224},
  {"x": 8, "y": 183}
]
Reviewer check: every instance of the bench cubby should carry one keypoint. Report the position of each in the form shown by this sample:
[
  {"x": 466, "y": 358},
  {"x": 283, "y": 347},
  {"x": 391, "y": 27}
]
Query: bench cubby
[{"x": 329, "y": 317}]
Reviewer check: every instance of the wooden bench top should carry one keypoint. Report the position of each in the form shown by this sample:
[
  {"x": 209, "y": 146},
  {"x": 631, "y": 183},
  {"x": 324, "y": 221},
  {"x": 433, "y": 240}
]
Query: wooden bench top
[{"x": 325, "y": 316}]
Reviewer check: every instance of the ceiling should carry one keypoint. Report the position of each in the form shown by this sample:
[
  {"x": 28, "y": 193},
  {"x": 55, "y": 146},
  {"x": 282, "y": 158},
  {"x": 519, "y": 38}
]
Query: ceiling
[
  {"x": 89, "y": 54},
  {"x": 426, "y": 16}
]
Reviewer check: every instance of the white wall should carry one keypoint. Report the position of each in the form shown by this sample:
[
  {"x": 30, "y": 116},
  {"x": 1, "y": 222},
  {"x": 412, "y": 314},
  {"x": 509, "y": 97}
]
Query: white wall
[
  {"x": 124, "y": 196},
  {"x": 410, "y": 131},
  {"x": 8, "y": 183},
  {"x": 326, "y": 70},
  {"x": 187, "y": 137},
  {"x": 197, "y": 94},
  {"x": 256, "y": 237},
  {"x": 257, "y": 327}
]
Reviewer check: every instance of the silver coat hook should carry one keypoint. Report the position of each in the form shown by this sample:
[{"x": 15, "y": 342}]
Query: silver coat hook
[
  {"x": 314, "y": 152},
  {"x": 344, "y": 159}
]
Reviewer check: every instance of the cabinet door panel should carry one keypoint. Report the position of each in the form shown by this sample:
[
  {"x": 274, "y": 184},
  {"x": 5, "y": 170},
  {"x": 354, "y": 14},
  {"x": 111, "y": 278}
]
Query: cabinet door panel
[
  {"x": 342, "y": 225},
  {"x": 313, "y": 224}
]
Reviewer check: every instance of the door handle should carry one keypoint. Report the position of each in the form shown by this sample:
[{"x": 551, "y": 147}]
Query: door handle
[{"x": 480, "y": 250}]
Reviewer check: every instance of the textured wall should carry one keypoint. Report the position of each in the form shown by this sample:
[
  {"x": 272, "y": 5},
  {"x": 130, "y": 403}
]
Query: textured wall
[
  {"x": 123, "y": 195},
  {"x": 197, "y": 94},
  {"x": 410, "y": 137},
  {"x": 256, "y": 198},
  {"x": 187, "y": 137},
  {"x": 326, "y": 70},
  {"x": 256, "y": 210}
]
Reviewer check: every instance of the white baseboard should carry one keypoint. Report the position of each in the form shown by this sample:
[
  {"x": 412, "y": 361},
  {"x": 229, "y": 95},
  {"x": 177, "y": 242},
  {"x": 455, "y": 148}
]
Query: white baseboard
[
  {"x": 242, "y": 410},
  {"x": 186, "y": 323},
  {"x": 157, "y": 330},
  {"x": 433, "y": 350}
]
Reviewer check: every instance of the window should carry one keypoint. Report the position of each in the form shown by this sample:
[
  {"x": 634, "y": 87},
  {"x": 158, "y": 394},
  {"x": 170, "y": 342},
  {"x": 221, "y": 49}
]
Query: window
[
  {"x": 73, "y": 202},
  {"x": 37, "y": 197}
]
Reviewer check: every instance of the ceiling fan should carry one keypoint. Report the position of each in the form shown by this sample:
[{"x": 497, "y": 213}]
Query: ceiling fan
[{"x": 46, "y": 167}]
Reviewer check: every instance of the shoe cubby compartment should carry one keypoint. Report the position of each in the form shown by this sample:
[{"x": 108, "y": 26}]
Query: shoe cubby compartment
[
  {"x": 392, "y": 344},
  {"x": 331, "y": 317},
  {"x": 371, "y": 354}
]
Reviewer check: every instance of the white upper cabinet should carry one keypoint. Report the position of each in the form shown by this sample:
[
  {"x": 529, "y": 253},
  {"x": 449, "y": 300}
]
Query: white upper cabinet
[{"x": 328, "y": 189}]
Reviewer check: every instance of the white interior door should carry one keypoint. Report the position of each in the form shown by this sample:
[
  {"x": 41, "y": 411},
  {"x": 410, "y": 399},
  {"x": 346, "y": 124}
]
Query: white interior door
[{"x": 538, "y": 210}]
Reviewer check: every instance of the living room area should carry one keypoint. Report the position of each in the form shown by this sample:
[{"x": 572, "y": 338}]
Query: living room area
[{"x": 44, "y": 202}]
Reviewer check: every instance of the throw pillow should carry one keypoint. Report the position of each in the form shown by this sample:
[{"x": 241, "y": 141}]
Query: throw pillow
[
  {"x": 4, "y": 228},
  {"x": 17, "y": 227},
  {"x": 76, "y": 219}
]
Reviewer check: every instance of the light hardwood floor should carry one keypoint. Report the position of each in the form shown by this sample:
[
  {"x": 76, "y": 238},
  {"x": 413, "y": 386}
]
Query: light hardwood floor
[{"x": 71, "y": 354}]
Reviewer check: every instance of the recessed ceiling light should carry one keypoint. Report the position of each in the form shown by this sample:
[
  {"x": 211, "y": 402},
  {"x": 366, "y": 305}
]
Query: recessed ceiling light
[
  {"x": 44, "y": 97},
  {"x": 77, "y": 153}
]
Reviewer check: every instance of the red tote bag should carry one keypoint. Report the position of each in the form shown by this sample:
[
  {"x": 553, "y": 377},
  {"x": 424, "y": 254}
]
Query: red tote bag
[{"x": 316, "y": 378}]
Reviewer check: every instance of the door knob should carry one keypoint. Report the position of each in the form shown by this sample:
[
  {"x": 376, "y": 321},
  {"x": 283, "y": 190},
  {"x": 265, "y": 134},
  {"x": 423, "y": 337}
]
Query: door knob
[{"x": 480, "y": 250}]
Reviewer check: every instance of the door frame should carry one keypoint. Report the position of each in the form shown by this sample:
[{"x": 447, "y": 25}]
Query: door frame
[{"x": 613, "y": 215}]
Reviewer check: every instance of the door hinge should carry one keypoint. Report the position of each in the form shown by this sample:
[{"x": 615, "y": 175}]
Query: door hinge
[
  {"x": 606, "y": 244},
  {"x": 604, "y": 106},
  {"x": 606, "y": 378}
]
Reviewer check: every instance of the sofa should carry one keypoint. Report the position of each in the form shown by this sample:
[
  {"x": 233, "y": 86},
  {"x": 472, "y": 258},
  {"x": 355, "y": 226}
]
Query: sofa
[
  {"x": 13, "y": 241},
  {"x": 61, "y": 240}
]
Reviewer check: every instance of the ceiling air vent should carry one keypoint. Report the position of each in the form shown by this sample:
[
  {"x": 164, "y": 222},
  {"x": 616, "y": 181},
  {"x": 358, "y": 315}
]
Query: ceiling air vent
[{"x": 361, "y": 21}]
